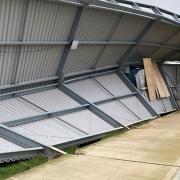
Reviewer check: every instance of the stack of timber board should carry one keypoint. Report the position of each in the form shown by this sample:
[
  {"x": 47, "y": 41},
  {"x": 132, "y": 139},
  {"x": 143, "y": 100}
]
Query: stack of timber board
[{"x": 155, "y": 83}]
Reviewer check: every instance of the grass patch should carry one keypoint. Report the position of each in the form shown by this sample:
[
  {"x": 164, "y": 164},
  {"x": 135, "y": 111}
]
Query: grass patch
[{"x": 10, "y": 169}]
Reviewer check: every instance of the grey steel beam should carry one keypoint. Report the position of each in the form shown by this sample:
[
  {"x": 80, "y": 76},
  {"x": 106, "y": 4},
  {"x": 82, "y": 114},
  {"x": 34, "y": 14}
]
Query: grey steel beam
[
  {"x": 29, "y": 43},
  {"x": 122, "y": 9},
  {"x": 139, "y": 96},
  {"x": 127, "y": 108},
  {"x": 24, "y": 91},
  {"x": 17, "y": 122},
  {"x": 25, "y": 142},
  {"x": 86, "y": 139},
  {"x": 91, "y": 73},
  {"x": 172, "y": 99},
  {"x": 92, "y": 107},
  {"x": 165, "y": 45},
  {"x": 138, "y": 39},
  {"x": 70, "y": 39},
  {"x": 115, "y": 98}
]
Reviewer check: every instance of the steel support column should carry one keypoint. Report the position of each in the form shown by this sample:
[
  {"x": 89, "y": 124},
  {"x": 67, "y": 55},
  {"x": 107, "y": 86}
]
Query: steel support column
[
  {"x": 138, "y": 39},
  {"x": 139, "y": 96},
  {"x": 70, "y": 39}
]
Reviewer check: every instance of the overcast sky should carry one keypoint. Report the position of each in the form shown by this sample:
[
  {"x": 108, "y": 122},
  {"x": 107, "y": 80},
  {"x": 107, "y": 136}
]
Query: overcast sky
[{"x": 171, "y": 5}]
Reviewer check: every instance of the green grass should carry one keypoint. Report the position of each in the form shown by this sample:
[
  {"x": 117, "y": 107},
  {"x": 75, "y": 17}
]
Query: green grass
[{"x": 10, "y": 169}]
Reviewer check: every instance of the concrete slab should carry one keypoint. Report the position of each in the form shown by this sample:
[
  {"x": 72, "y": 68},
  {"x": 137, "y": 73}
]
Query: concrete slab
[{"x": 149, "y": 152}]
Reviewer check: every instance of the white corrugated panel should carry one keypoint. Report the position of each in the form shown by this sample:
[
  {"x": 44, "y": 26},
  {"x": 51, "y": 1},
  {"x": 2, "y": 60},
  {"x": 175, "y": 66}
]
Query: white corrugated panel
[
  {"x": 136, "y": 106},
  {"x": 49, "y": 131},
  {"x": 90, "y": 90},
  {"x": 117, "y": 111},
  {"x": 16, "y": 108},
  {"x": 113, "y": 84},
  {"x": 87, "y": 121},
  {"x": 7, "y": 146},
  {"x": 51, "y": 100}
]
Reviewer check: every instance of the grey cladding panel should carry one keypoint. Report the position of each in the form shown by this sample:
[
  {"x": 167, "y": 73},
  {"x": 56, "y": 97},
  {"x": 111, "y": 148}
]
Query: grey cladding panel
[
  {"x": 159, "y": 33},
  {"x": 111, "y": 55},
  {"x": 96, "y": 25},
  {"x": 128, "y": 28},
  {"x": 82, "y": 58},
  {"x": 48, "y": 21}
]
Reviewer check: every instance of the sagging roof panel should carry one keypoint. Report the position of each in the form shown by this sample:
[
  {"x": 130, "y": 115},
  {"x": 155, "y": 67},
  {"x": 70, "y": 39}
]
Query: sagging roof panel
[
  {"x": 119, "y": 112},
  {"x": 87, "y": 121},
  {"x": 16, "y": 108},
  {"x": 90, "y": 90},
  {"x": 49, "y": 131},
  {"x": 113, "y": 84},
  {"x": 51, "y": 100},
  {"x": 8, "y": 146}
]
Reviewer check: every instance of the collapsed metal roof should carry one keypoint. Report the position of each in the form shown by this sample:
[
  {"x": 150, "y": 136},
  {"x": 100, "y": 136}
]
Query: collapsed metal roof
[{"x": 50, "y": 55}]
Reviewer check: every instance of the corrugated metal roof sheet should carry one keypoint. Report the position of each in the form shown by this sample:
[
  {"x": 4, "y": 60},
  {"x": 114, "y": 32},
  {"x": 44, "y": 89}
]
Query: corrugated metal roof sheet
[
  {"x": 113, "y": 84},
  {"x": 49, "y": 131},
  {"x": 87, "y": 121},
  {"x": 89, "y": 90},
  {"x": 16, "y": 108},
  {"x": 51, "y": 100},
  {"x": 117, "y": 111},
  {"x": 7, "y": 146}
]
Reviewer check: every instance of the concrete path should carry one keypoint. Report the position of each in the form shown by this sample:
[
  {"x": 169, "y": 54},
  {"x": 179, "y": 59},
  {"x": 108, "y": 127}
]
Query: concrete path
[{"x": 149, "y": 152}]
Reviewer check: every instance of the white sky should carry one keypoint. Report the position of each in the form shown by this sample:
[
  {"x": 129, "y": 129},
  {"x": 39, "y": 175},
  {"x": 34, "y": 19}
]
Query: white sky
[{"x": 171, "y": 5}]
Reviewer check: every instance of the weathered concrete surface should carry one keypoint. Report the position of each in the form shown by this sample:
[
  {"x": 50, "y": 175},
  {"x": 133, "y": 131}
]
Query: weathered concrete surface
[{"x": 149, "y": 152}]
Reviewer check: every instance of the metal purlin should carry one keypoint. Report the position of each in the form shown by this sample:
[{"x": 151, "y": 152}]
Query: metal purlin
[
  {"x": 92, "y": 107},
  {"x": 131, "y": 112},
  {"x": 139, "y": 95}
]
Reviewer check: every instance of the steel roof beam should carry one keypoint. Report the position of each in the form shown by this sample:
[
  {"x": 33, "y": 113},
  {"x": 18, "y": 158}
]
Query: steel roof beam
[
  {"x": 49, "y": 114},
  {"x": 70, "y": 39},
  {"x": 92, "y": 107},
  {"x": 137, "y": 40},
  {"x": 172, "y": 99},
  {"x": 25, "y": 142},
  {"x": 139, "y": 96},
  {"x": 115, "y": 98}
]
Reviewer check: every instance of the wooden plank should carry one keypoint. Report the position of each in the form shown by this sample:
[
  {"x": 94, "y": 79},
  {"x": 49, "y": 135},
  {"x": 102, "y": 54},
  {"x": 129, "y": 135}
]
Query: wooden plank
[
  {"x": 149, "y": 75},
  {"x": 160, "y": 83}
]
